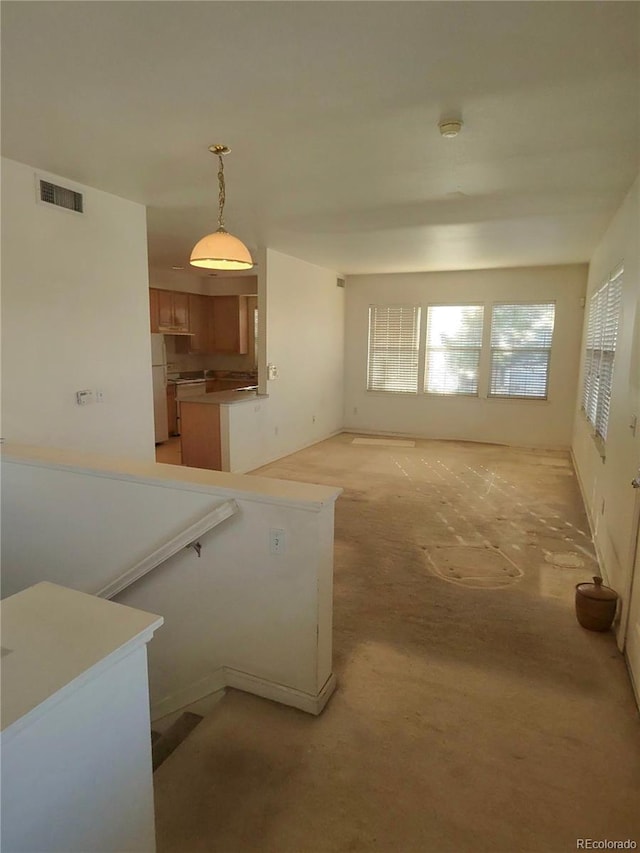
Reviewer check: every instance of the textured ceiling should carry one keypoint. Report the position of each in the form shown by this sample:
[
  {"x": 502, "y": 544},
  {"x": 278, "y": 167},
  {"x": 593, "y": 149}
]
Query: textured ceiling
[{"x": 331, "y": 111}]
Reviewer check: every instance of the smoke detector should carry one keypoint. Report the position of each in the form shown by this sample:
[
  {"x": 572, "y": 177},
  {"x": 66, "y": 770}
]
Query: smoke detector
[{"x": 450, "y": 128}]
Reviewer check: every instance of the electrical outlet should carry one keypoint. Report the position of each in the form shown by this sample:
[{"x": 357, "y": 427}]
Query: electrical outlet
[
  {"x": 99, "y": 396},
  {"x": 276, "y": 540}
]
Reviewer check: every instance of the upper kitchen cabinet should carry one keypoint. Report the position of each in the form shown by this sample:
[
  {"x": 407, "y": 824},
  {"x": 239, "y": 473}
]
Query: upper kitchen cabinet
[
  {"x": 153, "y": 309},
  {"x": 228, "y": 325},
  {"x": 173, "y": 312},
  {"x": 199, "y": 314}
]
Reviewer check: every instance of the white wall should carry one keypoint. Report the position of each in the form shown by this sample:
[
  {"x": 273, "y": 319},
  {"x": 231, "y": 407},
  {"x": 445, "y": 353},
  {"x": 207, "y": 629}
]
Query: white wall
[
  {"x": 523, "y": 422},
  {"x": 612, "y": 504},
  {"x": 263, "y": 618},
  {"x": 75, "y": 316},
  {"x": 301, "y": 317}
]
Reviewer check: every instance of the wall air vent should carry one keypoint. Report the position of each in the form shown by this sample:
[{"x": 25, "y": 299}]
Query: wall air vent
[
  {"x": 339, "y": 282},
  {"x": 60, "y": 196}
]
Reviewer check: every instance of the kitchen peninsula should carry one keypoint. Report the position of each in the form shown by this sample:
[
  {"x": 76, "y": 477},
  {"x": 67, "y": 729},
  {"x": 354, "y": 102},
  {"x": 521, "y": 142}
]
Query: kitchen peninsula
[{"x": 204, "y": 427}]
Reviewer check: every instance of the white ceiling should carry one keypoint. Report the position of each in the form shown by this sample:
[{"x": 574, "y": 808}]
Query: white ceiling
[{"x": 331, "y": 111}]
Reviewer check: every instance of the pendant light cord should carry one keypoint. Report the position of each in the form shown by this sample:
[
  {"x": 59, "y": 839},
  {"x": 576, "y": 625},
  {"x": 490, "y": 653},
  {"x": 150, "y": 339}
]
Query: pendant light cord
[{"x": 221, "y": 194}]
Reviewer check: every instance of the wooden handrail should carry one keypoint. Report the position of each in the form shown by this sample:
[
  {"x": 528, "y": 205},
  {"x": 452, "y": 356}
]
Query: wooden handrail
[{"x": 186, "y": 537}]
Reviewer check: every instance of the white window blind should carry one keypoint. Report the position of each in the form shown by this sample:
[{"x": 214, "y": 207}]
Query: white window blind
[
  {"x": 602, "y": 337},
  {"x": 592, "y": 358},
  {"x": 394, "y": 339},
  {"x": 521, "y": 338},
  {"x": 454, "y": 341}
]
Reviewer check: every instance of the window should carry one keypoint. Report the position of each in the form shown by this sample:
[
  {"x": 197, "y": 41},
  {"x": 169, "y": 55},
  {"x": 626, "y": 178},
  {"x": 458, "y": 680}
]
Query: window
[
  {"x": 454, "y": 341},
  {"x": 602, "y": 336},
  {"x": 520, "y": 348},
  {"x": 394, "y": 339},
  {"x": 450, "y": 351}
]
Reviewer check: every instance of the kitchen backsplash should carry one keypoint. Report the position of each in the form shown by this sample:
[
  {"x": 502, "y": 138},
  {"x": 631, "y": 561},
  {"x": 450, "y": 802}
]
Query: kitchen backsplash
[{"x": 178, "y": 362}]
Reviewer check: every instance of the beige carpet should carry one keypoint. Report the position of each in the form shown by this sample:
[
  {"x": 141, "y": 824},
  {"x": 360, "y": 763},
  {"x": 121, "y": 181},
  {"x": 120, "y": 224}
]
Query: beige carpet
[{"x": 472, "y": 712}]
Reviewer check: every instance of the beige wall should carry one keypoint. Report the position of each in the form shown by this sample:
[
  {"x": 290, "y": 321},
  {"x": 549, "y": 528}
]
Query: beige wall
[
  {"x": 523, "y": 422},
  {"x": 75, "y": 316},
  {"x": 612, "y": 504},
  {"x": 301, "y": 332}
]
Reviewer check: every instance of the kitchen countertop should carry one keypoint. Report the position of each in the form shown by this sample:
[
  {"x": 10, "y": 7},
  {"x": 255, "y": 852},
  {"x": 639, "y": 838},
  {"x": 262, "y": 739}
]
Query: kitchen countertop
[{"x": 225, "y": 398}]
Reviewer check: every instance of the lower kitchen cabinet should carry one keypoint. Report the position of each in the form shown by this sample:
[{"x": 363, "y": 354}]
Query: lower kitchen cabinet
[
  {"x": 200, "y": 435},
  {"x": 172, "y": 409}
]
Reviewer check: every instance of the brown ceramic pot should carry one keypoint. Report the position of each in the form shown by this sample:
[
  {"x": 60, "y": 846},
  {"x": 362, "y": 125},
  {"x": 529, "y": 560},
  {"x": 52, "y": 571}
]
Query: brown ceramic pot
[{"x": 595, "y": 605}]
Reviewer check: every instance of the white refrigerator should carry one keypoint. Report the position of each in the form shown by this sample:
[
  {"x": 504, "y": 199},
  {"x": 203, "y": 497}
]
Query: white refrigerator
[{"x": 159, "y": 369}]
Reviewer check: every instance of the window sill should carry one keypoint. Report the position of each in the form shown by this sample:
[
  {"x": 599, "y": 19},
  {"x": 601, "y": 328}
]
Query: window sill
[{"x": 512, "y": 398}]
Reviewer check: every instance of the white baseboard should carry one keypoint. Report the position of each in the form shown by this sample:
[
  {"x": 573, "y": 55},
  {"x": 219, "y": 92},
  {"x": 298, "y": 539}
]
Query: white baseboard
[
  {"x": 228, "y": 677},
  {"x": 352, "y": 430},
  {"x": 312, "y": 704}
]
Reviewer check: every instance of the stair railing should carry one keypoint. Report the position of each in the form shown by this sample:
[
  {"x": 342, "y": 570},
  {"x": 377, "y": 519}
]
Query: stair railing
[{"x": 184, "y": 539}]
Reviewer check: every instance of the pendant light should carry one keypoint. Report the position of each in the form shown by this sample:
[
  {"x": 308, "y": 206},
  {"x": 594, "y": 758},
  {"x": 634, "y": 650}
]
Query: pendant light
[{"x": 221, "y": 250}]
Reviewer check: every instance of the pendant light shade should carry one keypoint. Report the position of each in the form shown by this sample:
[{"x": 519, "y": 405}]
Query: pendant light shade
[{"x": 221, "y": 250}]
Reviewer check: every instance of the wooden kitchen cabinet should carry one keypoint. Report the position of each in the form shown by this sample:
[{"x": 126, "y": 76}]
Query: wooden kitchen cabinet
[
  {"x": 201, "y": 439},
  {"x": 172, "y": 409},
  {"x": 199, "y": 313},
  {"x": 173, "y": 312},
  {"x": 153, "y": 309},
  {"x": 228, "y": 331},
  {"x": 199, "y": 310}
]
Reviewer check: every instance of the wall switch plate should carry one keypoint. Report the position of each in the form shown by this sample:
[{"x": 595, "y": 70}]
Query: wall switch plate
[
  {"x": 99, "y": 396},
  {"x": 276, "y": 540},
  {"x": 272, "y": 371}
]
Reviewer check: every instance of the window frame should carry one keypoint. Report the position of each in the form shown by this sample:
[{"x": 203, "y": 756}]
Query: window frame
[
  {"x": 491, "y": 349},
  {"x": 485, "y": 356}
]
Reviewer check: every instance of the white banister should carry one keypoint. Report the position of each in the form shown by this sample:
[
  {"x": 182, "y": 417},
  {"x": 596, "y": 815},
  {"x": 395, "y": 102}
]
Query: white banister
[{"x": 186, "y": 537}]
